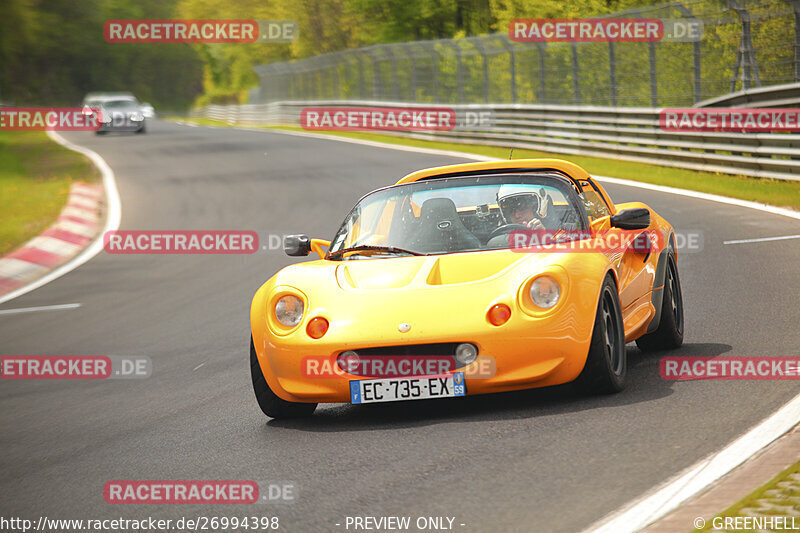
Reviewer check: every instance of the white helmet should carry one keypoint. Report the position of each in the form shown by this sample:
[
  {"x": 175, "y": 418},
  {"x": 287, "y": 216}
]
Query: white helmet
[{"x": 511, "y": 197}]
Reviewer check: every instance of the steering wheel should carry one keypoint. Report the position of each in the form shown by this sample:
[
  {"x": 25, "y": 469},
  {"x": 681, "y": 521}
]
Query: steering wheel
[{"x": 506, "y": 228}]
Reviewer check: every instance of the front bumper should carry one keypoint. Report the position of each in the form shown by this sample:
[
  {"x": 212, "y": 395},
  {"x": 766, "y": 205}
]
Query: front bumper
[{"x": 527, "y": 351}]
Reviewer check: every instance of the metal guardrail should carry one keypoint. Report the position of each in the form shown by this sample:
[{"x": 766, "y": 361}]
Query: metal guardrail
[
  {"x": 630, "y": 134},
  {"x": 787, "y": 95}
]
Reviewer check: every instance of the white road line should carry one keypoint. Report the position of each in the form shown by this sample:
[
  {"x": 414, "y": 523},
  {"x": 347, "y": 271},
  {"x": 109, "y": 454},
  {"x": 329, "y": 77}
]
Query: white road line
[
  {"x": 669, "y": 495},
  {"x": 113, "y": 216},
  {"x": 646, "y": 509},
  {"x": 763, "y": 239},
  {"x": 198, "y": 366},
  {"x": 782, "y": 211},
  {"x": 40, "y": 308}
]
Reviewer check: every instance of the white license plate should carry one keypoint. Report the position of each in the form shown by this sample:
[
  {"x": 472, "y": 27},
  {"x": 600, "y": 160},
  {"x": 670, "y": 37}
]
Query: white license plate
[{"x": 393, "y": 389}]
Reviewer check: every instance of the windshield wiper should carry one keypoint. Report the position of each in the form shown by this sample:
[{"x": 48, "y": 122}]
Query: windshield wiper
[{"x": 369, "y": 248}]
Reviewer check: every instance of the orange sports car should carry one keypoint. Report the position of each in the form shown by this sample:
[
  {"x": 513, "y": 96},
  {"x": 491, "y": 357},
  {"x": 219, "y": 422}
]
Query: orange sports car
[{"x": 467, "y": 279}]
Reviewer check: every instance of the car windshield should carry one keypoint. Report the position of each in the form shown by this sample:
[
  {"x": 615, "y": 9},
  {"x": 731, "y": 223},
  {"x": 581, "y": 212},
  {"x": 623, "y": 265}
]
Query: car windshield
[
  {"x": 463, "y": 214},
  {"x": 118, "y": 104}
]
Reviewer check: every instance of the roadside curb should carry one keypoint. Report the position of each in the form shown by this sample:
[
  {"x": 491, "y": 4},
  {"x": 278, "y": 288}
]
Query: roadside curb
[
  {"x": 88, "y": 246},
  {"x": 733, "y": 487},
  {"x": 78, "y": 224}
]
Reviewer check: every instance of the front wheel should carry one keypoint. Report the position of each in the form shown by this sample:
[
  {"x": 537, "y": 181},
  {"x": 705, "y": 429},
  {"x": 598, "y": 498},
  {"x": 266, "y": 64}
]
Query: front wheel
[
  {"x": 606, "y": 365},
  {"x": 669, "y": 334},
  {"x": 268, "y": 401}
]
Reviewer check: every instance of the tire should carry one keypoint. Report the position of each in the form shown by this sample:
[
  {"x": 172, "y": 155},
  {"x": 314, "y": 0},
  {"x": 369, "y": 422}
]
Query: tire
[
  {"x": 100, "y": 132},
  {"x": 141, "y": 130},
  {"x": 606, "y": 366},
  {"x": 669, "y": 334},
  {"x": 270, "y": 403}
]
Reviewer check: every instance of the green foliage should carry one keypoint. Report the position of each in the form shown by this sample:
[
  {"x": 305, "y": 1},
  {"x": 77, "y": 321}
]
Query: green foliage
[{"x": 52, "y": 52}]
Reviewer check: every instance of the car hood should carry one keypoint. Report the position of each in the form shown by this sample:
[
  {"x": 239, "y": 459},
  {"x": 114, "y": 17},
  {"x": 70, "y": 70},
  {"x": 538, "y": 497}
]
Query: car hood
[
  {"x": 409, "y": 273},
  {"x": 374, "y": 274}
]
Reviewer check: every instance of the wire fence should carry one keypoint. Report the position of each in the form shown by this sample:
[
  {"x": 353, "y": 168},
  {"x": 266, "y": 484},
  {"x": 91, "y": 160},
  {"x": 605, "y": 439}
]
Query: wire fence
[{"x": 745, "y": 44}]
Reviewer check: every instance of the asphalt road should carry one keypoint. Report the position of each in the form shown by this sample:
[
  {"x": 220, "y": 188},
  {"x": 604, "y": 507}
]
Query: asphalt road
[{"x": 541, "y": 460}]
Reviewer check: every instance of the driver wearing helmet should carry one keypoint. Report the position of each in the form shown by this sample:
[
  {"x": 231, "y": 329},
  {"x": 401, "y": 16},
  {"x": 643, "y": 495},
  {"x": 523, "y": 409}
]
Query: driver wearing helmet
[{"x": 521, "y": 208}]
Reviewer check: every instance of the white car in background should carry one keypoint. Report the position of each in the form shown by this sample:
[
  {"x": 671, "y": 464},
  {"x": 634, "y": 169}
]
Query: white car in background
[
  {"x": 148, "y": 111},
  {"x": 117, "y": 111}
]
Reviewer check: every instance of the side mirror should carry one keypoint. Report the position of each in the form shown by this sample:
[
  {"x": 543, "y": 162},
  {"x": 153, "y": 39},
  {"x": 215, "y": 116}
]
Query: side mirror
[
  {"x": 297, "y": 245},
  {"x": 638, "y": 218}
]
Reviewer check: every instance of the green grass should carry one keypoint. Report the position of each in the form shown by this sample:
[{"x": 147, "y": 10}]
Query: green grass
[
  {"x": 768, "y": 191},
  {"x": 35, "y": 177},
  {"x": 770, "y": 493}
]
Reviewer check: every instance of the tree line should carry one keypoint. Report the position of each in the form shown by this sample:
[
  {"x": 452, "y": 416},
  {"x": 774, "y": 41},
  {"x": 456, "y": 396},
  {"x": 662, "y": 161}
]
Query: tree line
[{"x": 52, "y": 52}]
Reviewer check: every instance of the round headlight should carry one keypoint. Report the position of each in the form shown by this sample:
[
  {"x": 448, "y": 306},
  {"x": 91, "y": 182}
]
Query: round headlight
[
  {"x": 545, "y": 292},
  {"x": 289, "y": 310}
]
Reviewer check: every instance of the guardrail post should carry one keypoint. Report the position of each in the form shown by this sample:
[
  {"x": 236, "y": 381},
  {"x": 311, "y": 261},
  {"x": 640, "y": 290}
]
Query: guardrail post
[
  {"x": 393, "y": 63},
  {"x": 312, "y": 79},
  {"x": 542, "y": 47},
  {"x": 459, "y": 71},
  {"x": 410, "y": 53},
  {"x": 745, "y": 56},
  {"x": 696, "y": 86},
  {"x": 435, "y": 68},
  {"x": 280, "y": 83},
  {"x": 475, "y": 41},
  {"x": 334, "y": 68},
  {"x": 362, "y": 88},
  {"x": 796, "y": 9},
  {"x": 347, "y": 55},
  {"x": 376, "y": 74},
  {"x": 651, "y": 52},
  {"x": 576, "y": 86},
  {"x": 612, "y": 72},
  {"x": 512, "y": 67}
]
